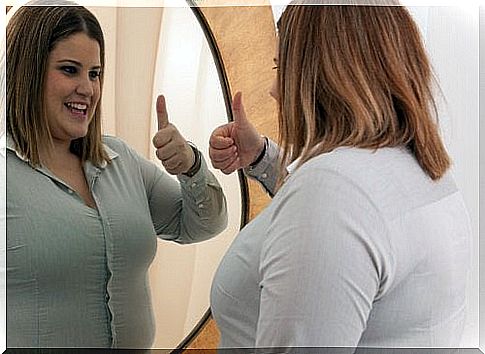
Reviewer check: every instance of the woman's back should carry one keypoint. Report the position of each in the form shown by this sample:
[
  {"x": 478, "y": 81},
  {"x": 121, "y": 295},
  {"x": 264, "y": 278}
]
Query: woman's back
[
  {"x": 359, "y": 247},
  {"x": 425, "y": 256}
]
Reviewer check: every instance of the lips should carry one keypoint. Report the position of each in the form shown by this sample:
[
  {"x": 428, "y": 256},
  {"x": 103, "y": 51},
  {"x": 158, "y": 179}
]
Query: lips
[{"x": 77, "y": 108}]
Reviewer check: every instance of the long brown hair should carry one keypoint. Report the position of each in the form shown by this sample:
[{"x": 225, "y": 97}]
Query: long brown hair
[
  {"x": 32, "y": 33},
  {"x": 355, "y": 76}
]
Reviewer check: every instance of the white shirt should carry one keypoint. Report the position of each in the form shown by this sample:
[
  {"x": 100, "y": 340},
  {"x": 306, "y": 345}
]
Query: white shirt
[{"x": 358, "y": 248}]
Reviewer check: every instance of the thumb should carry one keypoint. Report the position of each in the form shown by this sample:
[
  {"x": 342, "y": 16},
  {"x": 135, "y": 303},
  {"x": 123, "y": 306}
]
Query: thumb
[
  {"x": 238, "y": 112},
  {"x": 162, "y": 114}
]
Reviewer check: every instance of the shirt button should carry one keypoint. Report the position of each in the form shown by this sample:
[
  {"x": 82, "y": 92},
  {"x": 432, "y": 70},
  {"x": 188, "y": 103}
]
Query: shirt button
[
  {"x": 264, "y": 175},
  {"x": 193, "y": 185},
  {"x": 201, "y": 206}
]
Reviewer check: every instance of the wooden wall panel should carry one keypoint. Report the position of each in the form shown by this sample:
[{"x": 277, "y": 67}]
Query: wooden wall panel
[{"x": 246, "y": 39}]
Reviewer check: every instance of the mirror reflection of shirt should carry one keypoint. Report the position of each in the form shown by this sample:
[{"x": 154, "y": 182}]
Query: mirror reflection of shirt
[{"x": 76, "y": 276}]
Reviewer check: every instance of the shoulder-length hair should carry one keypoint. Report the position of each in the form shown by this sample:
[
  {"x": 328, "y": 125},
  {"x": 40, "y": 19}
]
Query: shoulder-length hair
[
  {"x": 355, "y": 76},
  {"x": 32, "y": 33}
]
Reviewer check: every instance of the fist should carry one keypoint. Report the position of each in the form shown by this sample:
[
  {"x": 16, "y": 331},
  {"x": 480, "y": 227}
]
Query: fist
[{"x": 236, "y": 144}]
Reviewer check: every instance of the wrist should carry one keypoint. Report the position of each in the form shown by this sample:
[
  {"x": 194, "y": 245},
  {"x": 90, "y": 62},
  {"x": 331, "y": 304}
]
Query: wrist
[
  {"x": 261, "y": 154},
  {"x": 197, "y": 161}
]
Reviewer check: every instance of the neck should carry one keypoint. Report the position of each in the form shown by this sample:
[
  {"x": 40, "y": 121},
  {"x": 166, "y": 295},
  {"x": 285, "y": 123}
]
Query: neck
[{"x": 57, "y": 152}]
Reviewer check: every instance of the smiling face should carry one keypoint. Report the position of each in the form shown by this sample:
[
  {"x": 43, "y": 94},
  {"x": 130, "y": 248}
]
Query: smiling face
[{"x": 72, "y": 86}]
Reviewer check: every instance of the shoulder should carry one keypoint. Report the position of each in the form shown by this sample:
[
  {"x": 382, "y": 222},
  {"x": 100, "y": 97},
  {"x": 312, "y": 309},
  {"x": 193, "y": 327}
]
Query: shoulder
[
  {"x": 118, "y": 148},
  {"x": 329, "y": 184},
  {"x": 114, "y": 143},
  {"x": 339, "y": 176},
  {"x": 389, "y": 178},
  {"x": 325, "y": 194},
  {"x": 361, "y": 165}
]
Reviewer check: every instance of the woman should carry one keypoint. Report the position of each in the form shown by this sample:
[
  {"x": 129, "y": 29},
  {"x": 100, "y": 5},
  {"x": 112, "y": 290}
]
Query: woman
[
  {"x": 83, "y": 211},
  {"x": 366, "y": 241}
]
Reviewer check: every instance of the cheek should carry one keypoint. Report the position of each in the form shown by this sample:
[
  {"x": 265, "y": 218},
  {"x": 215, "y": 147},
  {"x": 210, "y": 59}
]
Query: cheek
[
  {"x": 96, "y": 93},
  {"x": 51, "y": 87},
  {"x": 274, "y": 89},
  {"x": 57, "y": 87},
  {"x": 95, "y": 99}
]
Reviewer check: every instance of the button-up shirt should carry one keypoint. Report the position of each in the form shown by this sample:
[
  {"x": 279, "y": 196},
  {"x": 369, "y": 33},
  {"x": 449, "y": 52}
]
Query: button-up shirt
[{"x": 77, "y": 276}]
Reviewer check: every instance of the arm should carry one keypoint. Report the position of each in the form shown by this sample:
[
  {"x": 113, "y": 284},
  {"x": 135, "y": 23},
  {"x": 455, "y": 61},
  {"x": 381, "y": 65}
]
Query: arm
[
  {"x": 196, "y": 209},
  {"x": 320, "y": 268},
  {"x": 186, "y": 210},
  {"x": 238, "y": 145}
]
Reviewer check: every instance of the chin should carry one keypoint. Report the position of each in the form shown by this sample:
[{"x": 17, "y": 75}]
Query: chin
[{"x": 79, "y": 135}]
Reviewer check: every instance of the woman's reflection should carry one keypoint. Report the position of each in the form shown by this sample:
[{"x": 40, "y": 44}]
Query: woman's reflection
[{"x": 83, "y": 210}]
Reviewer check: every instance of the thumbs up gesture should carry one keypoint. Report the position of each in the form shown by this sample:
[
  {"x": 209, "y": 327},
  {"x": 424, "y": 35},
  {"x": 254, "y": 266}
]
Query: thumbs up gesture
[
  {"x": 173, "y": 150},
  {"x": 236, "y": 144}
]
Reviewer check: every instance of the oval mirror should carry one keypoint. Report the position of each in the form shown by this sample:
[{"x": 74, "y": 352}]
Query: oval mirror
[{"x": 164, "y": 50}]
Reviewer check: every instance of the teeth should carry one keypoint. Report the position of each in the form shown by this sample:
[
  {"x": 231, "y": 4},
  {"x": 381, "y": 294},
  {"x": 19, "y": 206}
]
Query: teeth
[{"x": 80, "y": 106}]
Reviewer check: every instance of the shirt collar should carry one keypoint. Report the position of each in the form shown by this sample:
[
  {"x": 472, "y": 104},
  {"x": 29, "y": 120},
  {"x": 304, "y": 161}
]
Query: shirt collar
[
  {"x": 10, "y": 145},
  {"x": 111, "y": 155},
  {"x": 292, "y": 166}
]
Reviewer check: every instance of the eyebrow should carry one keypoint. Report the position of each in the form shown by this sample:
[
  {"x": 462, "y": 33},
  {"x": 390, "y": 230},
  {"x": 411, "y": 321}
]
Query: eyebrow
[{"x": 75, "y": 62}]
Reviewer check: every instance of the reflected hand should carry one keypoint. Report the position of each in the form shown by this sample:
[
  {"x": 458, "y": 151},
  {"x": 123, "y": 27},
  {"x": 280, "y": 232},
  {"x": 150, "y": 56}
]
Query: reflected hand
[
  {"x": 173, "y": 150},
  {"x": 236, "y": 144}
]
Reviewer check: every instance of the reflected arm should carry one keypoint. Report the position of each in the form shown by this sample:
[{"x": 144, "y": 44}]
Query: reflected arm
[{"x": 191, "y": 210}]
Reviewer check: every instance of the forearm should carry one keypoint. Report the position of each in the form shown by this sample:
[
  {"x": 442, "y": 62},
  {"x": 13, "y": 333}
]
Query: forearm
[{"x": 204, "y": 207}]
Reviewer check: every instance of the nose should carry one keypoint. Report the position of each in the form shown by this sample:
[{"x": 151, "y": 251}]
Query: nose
[{"x": 85, "y": 87}]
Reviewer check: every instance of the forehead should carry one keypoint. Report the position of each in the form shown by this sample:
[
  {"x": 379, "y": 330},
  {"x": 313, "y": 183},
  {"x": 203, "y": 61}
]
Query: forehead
[{"x": 79, "y": 47}]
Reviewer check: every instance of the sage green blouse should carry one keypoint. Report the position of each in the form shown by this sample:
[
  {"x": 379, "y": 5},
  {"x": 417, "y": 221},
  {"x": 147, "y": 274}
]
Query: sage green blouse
[{"x": 76, "y": 276}]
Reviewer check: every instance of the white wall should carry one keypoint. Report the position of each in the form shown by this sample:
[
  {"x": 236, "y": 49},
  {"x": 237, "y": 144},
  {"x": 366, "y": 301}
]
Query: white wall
[{"x": 451, "y": 36}]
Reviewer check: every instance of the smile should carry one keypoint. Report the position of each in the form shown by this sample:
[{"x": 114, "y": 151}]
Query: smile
[{"x": 77, "y": 108}]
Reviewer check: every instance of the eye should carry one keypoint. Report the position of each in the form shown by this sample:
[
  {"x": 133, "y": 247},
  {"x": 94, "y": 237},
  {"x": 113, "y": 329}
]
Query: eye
[
  {"x": 68, "y": 69},
  {"x": 94, "y": 74},
  {"x": 275, "y": 67}
]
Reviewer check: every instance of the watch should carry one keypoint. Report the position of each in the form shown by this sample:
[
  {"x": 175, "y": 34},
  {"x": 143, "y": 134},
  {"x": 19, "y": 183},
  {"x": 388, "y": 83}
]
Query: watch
[
  {"x": 262, "y": 153},
  {"x": 197, "y": 162}
]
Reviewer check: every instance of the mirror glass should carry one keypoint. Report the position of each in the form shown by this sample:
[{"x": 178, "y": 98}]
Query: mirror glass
[
  {"x": 150, "y": 51},
  {"x": 163, "y": 50}
]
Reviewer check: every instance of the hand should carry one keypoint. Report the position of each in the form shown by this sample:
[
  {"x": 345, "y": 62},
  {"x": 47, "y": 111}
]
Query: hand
[
  {"x": 172, "y": 149},
  {"x": 236, "y": 144}
]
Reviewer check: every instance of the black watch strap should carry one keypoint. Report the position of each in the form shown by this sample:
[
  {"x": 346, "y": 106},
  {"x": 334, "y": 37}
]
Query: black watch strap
[
  {"x": 197, "y": 162},
  {"x": 261, "y": 154}
]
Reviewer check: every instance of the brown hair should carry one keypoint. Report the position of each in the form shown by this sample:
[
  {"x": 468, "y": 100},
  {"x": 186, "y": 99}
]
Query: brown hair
[
  {"x": 32, "y": 33},
  {"x": 355, "y": 76}
]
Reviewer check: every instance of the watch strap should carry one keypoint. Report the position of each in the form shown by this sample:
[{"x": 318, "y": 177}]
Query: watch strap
[{"x": 197, "y": 161}]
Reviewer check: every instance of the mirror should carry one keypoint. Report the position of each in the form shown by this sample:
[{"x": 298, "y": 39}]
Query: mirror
[{"x": 164, "y": 50}]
